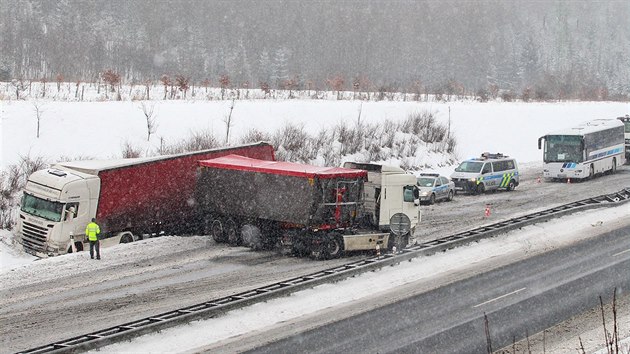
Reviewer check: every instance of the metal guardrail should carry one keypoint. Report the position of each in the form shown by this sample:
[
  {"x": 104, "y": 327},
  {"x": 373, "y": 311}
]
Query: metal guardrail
[{"x": 216, "y": 307}]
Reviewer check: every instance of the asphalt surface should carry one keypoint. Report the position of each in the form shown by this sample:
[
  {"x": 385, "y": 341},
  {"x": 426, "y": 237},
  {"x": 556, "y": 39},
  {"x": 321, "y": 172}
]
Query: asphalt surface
[{"x": 524, "y": 297}]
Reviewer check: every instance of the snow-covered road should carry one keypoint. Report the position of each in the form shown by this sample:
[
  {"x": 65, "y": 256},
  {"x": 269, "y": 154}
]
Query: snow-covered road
[{"x": 240, "y": 329}]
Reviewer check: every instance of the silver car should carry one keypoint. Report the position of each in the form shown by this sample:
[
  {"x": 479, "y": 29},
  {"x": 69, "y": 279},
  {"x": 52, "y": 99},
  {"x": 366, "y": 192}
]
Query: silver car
[{"x": 434, "y": 187}]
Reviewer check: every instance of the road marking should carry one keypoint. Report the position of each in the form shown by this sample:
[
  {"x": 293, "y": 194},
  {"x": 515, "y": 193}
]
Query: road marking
[
  {"x": 500, "y": 297},
  {"x": 620, "y": 253}
]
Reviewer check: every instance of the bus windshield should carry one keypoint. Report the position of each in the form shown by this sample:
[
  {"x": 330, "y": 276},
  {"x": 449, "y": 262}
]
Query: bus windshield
[
  {"x": 43, "y": 208},
  {"x": 563, "y": 148},
  {"x": 469, "y": 166}
]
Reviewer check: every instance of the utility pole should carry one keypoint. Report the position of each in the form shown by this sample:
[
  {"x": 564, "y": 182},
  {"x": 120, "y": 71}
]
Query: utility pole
[{"x": 448, "y": 134}]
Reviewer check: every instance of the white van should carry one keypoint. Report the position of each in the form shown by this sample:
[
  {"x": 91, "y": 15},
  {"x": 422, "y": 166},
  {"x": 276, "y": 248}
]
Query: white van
[{"x": 489, "y": 172}]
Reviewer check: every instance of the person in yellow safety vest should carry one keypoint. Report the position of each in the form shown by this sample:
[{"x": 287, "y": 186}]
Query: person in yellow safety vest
[{"x": 91, "y": 231}]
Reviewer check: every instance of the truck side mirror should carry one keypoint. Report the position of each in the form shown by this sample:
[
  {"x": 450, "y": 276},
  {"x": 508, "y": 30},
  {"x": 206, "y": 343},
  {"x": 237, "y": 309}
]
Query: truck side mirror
[{"x": 416, "y": 196}]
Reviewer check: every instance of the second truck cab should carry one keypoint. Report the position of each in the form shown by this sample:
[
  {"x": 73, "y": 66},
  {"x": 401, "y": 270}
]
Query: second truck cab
[{"x": 389, "y": 190}]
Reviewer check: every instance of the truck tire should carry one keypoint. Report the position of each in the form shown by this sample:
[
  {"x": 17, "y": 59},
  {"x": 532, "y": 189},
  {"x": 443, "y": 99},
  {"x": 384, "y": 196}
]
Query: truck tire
[
  {"x": 217, "y": 231},
  {"x": 126, "y": 238},
  {"x": 232, "y": 233},
  {"x": 432, "y": 199},
  {"x": 399, "y": 241},
  {"x": 78, "y": 245},
  {"x": 301, "y": 247},
  {"x": 333, "y": 246},
  {"x": 481, "y": 189},
  {"x": 252, "y": 237},
  {"x": 511, "y": 185}
]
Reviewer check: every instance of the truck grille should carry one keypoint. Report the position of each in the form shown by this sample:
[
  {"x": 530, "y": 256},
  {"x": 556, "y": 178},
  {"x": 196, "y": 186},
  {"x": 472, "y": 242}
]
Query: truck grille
[{"x": 34, "y": 237}]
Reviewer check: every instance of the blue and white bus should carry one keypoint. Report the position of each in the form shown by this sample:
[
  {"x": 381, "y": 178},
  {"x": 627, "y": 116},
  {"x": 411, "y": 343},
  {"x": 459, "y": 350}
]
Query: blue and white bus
[
  {"x": 626, "y": 122},
  {"x": 583, "y": 151}
]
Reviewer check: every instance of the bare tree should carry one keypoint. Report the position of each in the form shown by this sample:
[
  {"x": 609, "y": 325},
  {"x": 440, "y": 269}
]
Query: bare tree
[
  {"x": 224, "y": 81},
  {"x": 182, "y": 82},
  {"x": 336, "y": 84},
  {"x": 228, "y": 123},
  {"x": 166, "y": 81},
  {"x": 149, "y": 113},
  {"x": 19, "y": 86},
  {"x": 39, "y": 112}
]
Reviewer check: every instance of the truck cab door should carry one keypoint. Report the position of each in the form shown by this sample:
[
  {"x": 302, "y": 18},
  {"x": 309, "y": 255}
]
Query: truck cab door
[{"x": 69, "y": 220}]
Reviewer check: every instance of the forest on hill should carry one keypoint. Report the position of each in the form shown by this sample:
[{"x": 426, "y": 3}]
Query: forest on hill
[{"x": 549, "y": 49}]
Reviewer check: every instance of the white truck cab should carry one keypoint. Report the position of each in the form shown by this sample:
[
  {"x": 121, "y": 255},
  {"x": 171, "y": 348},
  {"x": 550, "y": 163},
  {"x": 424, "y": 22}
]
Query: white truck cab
[
  {"x": 57, "y": 203},
  {"x": 389, "y": 190}
]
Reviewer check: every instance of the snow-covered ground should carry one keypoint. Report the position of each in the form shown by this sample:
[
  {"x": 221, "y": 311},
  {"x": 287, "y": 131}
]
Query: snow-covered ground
[{"x": 99, "y": 129}]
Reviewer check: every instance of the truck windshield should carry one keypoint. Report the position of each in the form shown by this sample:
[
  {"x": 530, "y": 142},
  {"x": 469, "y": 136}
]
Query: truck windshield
[
  {"x": 469, "y": 166},
  {"x": 563, "y": 148},
  {"x": 43, "y": 208}
]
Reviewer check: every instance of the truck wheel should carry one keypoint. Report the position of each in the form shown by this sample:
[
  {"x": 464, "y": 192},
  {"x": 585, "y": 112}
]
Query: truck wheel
[
  {"x": 217, "y": 231},
  {"x": 481, "y": 189},
  {"x": 399, "y": 241},
  {"x": 333, "y": 245},
  {"x": 78, "y": 245},
  {"x": 450, "y": 196},
  {"x": 432, "y": 199},
  {"x": 231, "y": 231},
  {"x": 252, "y": 237},
  {"x": 511, "y": 185},
  {"x": 300, "y": 247},
  {"x": 126, "y": 238}
]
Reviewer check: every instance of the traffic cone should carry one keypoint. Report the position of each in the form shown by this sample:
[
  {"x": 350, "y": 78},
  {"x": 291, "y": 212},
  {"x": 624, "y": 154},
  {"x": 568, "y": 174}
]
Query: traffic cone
[{"x": 486, "y": 213}]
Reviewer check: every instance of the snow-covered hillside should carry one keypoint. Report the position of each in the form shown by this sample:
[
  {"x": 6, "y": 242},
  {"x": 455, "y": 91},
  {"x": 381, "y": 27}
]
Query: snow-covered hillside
[{"x": 101, "y": 129}]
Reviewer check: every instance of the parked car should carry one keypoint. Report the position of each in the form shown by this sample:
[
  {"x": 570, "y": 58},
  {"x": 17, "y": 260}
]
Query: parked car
[
  {"x": 486, "y": 173},
  {"x": 434, "y": 187}
]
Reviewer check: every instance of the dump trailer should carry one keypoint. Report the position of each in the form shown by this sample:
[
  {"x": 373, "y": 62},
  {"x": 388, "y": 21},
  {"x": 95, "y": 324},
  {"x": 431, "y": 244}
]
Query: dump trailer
[
  {"x": 130, "y": 198},
  {"x": 303, "y": 209}
]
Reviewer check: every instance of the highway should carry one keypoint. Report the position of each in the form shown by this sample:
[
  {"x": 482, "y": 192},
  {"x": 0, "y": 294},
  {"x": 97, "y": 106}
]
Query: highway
[{"x": 520, "y": 298}]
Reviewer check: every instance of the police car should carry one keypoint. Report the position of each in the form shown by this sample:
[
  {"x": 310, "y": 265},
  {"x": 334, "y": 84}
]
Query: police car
[
  {"x": 488, "y": 172},
  {"x": 434, "y": 187}
]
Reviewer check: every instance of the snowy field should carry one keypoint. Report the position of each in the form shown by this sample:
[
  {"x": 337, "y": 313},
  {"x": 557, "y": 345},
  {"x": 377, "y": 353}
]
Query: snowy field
[{"x": 100, "y": 129}]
